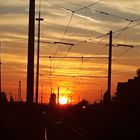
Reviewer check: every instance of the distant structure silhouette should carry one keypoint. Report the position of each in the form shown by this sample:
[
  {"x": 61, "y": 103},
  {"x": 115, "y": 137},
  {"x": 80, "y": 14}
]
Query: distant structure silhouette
[
  {"x": 52, "y": 99},
  {"x": 3, "y": 98},
  {"x": 83, "y": 102},
  {"x": 130, "y": 90},
  {"x": 58, "y": 95},
  {"x": 138, "y": 72},
  {"x": 19, "y": 91},
  {"x": 106, "y": 98},
  {"x": 11, "y": 99}
]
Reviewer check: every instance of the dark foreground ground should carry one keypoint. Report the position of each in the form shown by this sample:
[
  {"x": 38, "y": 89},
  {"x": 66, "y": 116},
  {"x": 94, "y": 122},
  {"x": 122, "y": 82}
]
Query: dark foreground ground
[{"x": 115, "y": 121}]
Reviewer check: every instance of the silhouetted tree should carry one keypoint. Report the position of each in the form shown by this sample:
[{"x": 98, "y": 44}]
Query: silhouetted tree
[
  {"x": 138, "y": 72},
  {"x": 3, "y": 98}
]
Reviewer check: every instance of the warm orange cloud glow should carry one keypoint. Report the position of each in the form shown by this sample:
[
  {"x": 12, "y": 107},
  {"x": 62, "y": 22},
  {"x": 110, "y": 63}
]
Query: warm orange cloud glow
[{"x": 85, "y": 26}]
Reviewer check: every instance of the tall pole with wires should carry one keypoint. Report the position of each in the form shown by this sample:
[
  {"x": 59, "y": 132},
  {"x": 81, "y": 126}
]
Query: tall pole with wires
[
  {"x": 42, "y": 95},
  {"x": 19, "y": 91},
  {"x": 39, "y": 19},
  {"x": 58, "y": 96},
  {"x": 30, "y": 65},
  {"x": 109, "y": 68},
  {"x": 0, "y": 67}
]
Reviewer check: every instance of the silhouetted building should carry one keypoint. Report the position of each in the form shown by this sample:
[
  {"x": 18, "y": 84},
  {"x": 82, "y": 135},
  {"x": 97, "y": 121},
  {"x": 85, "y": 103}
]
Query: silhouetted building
[
  {"x": 106, "y": 98},
  {"x": 129, "y": 90},
  {"x": 52, "y": 99},
  {"x": 3, "y": 98},
  {"x": 11, "y": 99}
]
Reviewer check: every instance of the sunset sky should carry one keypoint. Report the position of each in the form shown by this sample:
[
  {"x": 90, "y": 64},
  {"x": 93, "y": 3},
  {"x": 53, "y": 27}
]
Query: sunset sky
[{"x": 81, "y": 27}]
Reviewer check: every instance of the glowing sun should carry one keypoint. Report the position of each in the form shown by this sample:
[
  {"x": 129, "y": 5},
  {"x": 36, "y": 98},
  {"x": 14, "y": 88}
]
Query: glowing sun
[{"x": 63, "y": 100}]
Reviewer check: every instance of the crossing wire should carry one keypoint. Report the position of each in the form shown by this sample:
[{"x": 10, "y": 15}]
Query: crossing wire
[
  {"x": 76, "y": 78},
  {"x": 88, "y": 5},
  {"x": 114, "y": 31},
  {"x": 119, "y": 30},
  {"x": 64, "y": 33},
  {"x": 60, "y": 6},
  {"x": 121, "y": 54},
  {"x": 102, "y": 12},
  {"x": 70, "y": 21}
]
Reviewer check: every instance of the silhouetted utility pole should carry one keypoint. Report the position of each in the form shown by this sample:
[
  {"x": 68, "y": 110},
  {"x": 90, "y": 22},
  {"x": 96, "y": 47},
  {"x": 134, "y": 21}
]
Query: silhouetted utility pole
[
  {"x": 58, "y": 95},
  {"x": 101, "y": 94},
  {"x": 0, "y": 66},
  {"x": 39, "y": 19},
  {"x": 42, "y": 95},
  {"x": 30, "y": 66},
  {"x": 108, "y": 98},
  {"x": 19, "y": 91}
]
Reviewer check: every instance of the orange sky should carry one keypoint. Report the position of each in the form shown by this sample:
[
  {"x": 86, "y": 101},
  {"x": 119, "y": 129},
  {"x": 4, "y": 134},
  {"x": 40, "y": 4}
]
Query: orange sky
[{"x": 85, "y": 25}]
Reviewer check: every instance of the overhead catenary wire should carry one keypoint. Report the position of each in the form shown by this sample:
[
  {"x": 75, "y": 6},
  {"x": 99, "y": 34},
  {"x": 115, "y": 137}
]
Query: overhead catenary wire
[
  {"x": 122, "y": 30},
  {"x": 63, "y": 39},
  {"x": 73, "y": 57},
  {"x": 121, "y": 54},
  {"x": 119, "y": 30},
  {"x": 88, "y": 5},
  {"x": 72, "y": 3},
  {"x": 60, "y": 6},
  {"x": 64, "y": 33},
  {"x": 86, "y": 76},
  {"x": 70, "y": 21},
  {"x": 67, "y": 26},
  {"x": 77, "y": 80},
  {"x": 130, "y": 20},
  {"x": 103, "y": 12},
  {"x": 82, "y": 73},
  {"x": 79, "y": 9},
  {"x": 59, "y": 63}
]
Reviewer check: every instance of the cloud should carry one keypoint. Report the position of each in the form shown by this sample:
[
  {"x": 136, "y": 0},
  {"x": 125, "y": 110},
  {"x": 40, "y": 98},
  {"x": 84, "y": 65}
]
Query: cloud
[
  {"x": 12, "y": 9},
  {"x": 85, "y": 24}
]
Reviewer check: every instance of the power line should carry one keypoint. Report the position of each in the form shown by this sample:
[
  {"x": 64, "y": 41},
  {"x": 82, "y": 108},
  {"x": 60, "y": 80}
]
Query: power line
[
  {"x": 75, "y": 4},
  {"x": 122, "y": 30},
  {"x": 72, "y": 3},
  {"x": 75, "y": 83},
  {"x": 72, "y": 57},
  {"x": 125, "y": 28},
  {"x": 88, "y": 5},
  {"x": 64, "y": 33},
  {"x": 103, "y": 12},
  {"x": 122, "y": 53},
  {"x": 86, "y": 76},
  {"x": 108, "y": 14},
  {"x": 61, "y": 6},
  {"x": 64, "y": 57},
  {"x": 67, "y": 26}
]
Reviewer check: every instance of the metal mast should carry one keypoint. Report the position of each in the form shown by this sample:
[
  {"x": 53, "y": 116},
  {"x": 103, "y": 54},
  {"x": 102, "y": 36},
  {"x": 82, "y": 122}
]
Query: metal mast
[
  {"x": 58, "y": 96},
  {"x": 19, "y": 91},
  {"x": 0, "y": 67},
  {"x": 109, "y": 68},
  {"x": 30, "y": 65},
  {"x": 39, "y": 19}
]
